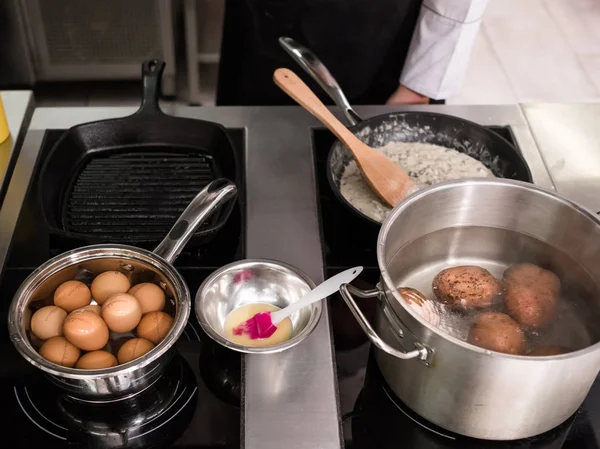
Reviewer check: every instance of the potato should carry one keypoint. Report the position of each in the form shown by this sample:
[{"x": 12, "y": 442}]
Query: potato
[
  {"x": 466, "y": 286},
  {"x": 549, "y": 350},
  {"x": 531, "y": 294},
  {"x": 497, "y": 332}
]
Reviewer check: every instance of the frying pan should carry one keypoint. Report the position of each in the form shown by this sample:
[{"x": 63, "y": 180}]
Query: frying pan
[
  {"x": 495, "y": 152},
  {"x": 126, "y": 180}
]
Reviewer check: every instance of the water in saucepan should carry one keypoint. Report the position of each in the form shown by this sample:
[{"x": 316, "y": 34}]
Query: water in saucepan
[{"x": 573, "y": 325}]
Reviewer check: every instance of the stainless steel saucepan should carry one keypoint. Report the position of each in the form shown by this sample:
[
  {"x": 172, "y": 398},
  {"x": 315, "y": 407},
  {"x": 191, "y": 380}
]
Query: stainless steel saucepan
[
  {"x": 138, "y": 265},
  {"x": 494, "y": 224}
]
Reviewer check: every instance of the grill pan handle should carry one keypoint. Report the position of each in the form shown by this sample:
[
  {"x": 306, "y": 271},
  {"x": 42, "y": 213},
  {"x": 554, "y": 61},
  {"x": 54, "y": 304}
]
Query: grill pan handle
[
  {"x": 420, "y": 353},
  {"x": 151, "y": 77},
  {"x": 201, "y": 207},
  {"x": 315, "y": 68}
]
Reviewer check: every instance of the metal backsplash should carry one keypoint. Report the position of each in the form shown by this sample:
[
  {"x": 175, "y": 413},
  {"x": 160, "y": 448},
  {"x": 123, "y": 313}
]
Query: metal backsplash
[{"x": 93, "y": 40}]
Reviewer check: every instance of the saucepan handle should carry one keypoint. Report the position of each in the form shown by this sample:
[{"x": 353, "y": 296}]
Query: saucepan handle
[
  {"x": 420, "y": 353},
  {"x": 202, "y": 206},
  {"x": 315, "y": 68}
]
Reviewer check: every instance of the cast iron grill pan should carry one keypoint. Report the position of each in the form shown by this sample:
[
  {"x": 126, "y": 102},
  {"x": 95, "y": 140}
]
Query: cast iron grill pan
[
  {"x": 127, "y": 179},
  {"x": 134, "y": 197}
]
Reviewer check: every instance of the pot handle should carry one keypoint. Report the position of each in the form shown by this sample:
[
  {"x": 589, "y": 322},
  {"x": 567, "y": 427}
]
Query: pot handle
[
  {"x": 315, "y": 68},
  {"x": 151, "y": 77},
  {"x": 421, "y": 353},
  {"x": 202, "y": 206}
]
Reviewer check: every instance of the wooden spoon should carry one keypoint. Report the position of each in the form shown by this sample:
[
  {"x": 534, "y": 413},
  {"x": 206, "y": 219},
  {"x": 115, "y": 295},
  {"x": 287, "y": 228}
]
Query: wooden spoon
[{"x": 387, "y": 179}]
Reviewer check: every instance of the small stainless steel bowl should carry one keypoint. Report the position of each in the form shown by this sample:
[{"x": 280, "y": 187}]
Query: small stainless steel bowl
[{"x": 255, "y": 281}]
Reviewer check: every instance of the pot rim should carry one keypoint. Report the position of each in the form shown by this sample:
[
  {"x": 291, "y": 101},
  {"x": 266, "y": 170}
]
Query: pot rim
[
  {"x": 389, "y": 286},
  {"x": 18, "y": 334}
]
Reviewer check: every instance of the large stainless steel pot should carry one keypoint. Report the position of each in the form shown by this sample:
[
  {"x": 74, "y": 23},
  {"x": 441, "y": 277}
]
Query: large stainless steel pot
[
  {"x": 140, "y": 266},
  {"x": 458, "y": 386}
]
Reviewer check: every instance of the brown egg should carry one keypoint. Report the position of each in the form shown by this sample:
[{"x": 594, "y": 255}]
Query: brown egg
[
  {"x": 47, "y": 322},
  {"x": 109, "y": 283},
  {"x": 155, "y": 326},
  {"x": 96, "y": 360},
  {"x": 134, "y": 348},
  {"x": 93, "y": 308},
  {"x": 58, "y": 350},
  {"x": 121, "y": 312},
  {"x": 72, "y": 295},
  {"x": 86, "y": 330},
  {"x": 150, "y": 296}
]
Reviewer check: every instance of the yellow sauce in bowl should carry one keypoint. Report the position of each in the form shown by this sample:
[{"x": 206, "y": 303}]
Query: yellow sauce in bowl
[{"x": 238, "y": 316}]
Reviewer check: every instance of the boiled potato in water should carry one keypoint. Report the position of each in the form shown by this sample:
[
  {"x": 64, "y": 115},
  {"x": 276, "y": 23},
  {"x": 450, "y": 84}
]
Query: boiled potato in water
[
  {"x": 497, "y": 332},
  {"x": 466, "y": 287},
  {"x": 531, "y": 294}
]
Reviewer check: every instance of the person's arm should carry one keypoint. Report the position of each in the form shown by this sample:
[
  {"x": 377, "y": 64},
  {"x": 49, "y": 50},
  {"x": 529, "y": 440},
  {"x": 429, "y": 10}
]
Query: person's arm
[{"x": 439, "y": 52}]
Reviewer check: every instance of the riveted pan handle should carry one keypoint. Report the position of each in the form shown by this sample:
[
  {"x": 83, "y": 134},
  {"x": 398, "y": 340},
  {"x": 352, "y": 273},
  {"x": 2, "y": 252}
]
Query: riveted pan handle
[
  {"x": 151, "y": 77},
  {"x": 202, "y": 206},
  {"x": 315, "y": 68},
  {"x": 421, "y": 353}
]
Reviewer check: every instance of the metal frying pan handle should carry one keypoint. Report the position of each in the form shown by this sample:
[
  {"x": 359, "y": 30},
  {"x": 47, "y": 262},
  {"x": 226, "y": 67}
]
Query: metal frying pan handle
[
  {"x": 315, "y": 68},
  {"x": 201, "y": 207},
  {"x": 151, "y": 76}
]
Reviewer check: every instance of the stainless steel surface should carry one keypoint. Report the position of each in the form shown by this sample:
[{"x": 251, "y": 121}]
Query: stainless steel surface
[
  {"x": 282, "y": 224},
  {"x": 18, "y": 106},
  {"x": 86, "y": 40},
  {"x": 255, "y": 281},
  {"x": 315, "y": 68},
  {"x": 466, "y": 388},
  {"x": 139, "y": 266},
  {"x": 568, "y": 137}
]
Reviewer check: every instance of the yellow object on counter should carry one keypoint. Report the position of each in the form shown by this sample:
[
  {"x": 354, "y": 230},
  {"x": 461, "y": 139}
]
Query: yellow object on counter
[{"x": 4, "y": 131}]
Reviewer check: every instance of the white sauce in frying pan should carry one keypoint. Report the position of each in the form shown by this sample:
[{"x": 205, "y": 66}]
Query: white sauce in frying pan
[{"x": 426, "y": 163}]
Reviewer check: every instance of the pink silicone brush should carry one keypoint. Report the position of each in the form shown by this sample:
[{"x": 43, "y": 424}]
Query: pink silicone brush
[{"x": 264, "y": 324}]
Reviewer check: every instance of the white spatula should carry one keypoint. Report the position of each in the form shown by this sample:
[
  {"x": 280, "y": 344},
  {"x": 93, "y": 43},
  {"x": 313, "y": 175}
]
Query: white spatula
[{"x": 264, "y": 324}]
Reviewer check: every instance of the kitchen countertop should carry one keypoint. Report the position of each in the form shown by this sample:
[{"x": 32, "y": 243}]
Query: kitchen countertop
[
  {"x": 290, "y": 399},
  {"x": 18, "y": 106},
  {"x": 568, "y": 136}
]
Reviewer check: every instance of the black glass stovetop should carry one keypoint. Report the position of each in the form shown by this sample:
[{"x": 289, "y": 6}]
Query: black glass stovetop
[
  {"x": 196, "y": 404},
  {"x": 372, "y": 416}
]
